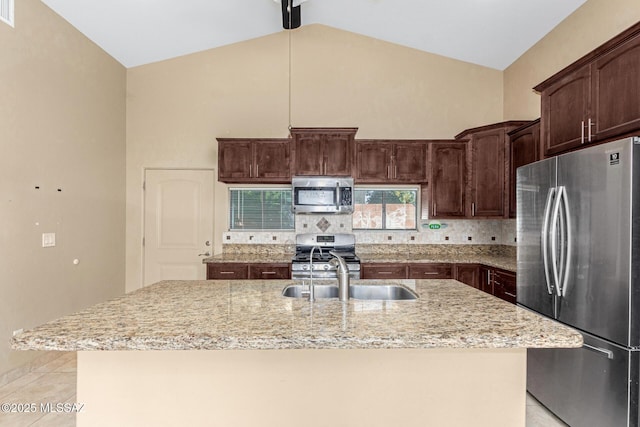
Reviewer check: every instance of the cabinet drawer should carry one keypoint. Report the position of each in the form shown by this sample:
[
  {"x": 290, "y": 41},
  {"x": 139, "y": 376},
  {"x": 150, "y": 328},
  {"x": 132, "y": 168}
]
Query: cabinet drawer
[
  {"x": 430, "y": 271},
  {"x": 505, "y": 285},
  {"x": 227, "y": 271},
  {"x": 383, "y": 271},
  {"x": 269, "y": 271}
]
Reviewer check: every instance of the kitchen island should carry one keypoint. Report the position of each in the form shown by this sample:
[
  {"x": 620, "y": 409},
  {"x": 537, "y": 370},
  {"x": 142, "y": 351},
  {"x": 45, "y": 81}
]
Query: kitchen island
[{"x": 239, "y": 353}]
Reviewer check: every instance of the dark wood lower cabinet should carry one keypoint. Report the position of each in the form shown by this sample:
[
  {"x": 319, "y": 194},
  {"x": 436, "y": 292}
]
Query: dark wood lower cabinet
[
  {"x": 227, "y": 271},
  {"x": 430, "y": 271},
  {"x": 240, "y": 271},
  {"x": 469, "y": 274},
  {"x": 505, "y": 285},
  {"x": 383, "y": 270},
  {"x": 498, "y": 282}
]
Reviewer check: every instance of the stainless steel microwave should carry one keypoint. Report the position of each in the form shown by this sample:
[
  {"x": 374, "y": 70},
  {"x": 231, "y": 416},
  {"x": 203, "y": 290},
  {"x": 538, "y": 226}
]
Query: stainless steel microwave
[{"x": 322, "y": 194}]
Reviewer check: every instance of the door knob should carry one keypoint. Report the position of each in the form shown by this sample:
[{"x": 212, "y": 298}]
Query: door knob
[{"x": 205, "y": 254}]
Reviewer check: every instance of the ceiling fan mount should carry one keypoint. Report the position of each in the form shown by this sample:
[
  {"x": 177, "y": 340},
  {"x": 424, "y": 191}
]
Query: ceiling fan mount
[{"x": 290, "y": 13}]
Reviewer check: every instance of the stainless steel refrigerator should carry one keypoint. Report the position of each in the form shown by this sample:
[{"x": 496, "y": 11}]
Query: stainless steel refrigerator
[{"x": 578, "y": 236}]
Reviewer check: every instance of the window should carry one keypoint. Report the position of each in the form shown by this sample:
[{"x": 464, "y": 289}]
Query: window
[
  {"x": 260, "y": 209},
  {"x": 393, "y": 209},
  {"x": 6, "y": 11}
]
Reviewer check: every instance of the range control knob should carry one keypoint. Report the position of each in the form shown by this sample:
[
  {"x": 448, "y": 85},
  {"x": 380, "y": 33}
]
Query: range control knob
[
  {"x": 326, "y": 266},
  {"x": 305, "y": 267}
]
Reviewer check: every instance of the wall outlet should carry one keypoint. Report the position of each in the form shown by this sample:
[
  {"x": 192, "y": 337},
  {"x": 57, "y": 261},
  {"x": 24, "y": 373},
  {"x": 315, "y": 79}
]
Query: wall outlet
[
  {"x": 18, "y": 331},
  {"x": 48, "y": 240}
]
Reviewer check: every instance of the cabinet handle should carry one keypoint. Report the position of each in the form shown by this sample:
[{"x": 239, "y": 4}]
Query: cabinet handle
[
  {"x": 324, "y": 167},
  {"x": 395, "y": 172},
  {"x": 590, "y": 123},
  {"x": 473, "y": 209},
  {"x": 227, "y": 272},
  {"x": 510, "y": 294},
  {"x": 582, "y": 133},
  {"x": 434, "y": 210},
  {"x": 268, "y": 272},
  {"x": 431, "y": 273},
  {"x": 389, "y": 171},
  {"x": 257, "y": 170},
  {"x": 385, "y": 272},
  {"x": 250, "y": 171}
]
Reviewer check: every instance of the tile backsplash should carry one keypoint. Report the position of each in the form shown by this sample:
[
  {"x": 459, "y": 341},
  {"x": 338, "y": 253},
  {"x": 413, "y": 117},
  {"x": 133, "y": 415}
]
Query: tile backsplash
[{"x": 472, "y": 232}]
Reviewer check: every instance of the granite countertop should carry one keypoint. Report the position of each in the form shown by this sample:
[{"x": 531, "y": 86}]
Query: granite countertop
[
  {"x": 252, "y": 314},
  {"x": 500, "y": 261}
]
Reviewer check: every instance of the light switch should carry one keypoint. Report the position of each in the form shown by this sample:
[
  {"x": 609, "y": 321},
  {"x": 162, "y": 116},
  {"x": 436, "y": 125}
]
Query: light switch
[{"x": 48, "y": 240}]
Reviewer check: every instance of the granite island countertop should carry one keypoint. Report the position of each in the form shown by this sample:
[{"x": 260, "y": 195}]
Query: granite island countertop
[{"x": 252, "y": 314}]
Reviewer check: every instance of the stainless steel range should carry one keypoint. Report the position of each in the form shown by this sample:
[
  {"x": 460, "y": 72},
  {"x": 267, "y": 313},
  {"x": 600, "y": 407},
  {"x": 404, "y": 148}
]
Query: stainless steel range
[{"x": 313, "y": 250}]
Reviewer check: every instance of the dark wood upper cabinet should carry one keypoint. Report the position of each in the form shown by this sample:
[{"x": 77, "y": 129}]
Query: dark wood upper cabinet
[
  {"x": 525, "y": 149},
  {"x": 448, "y": 181},
  {"x": 615, "y": 96},
  {"x": 323, "y": 151},
  {"x": 410, "y": 161},
  {"x": 489, "y": 171},
  {"x": 254, "y": 160},
  {"x": 389, "y": 161},
  {"x": 595, "y": 98},
  {"x": 565, "y": 112}
]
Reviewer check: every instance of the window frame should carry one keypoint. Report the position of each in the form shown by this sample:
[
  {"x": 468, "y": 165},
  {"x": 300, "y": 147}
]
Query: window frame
[
  {"x": 407, "y": 187},
  {"x": 256, "y": 188}
]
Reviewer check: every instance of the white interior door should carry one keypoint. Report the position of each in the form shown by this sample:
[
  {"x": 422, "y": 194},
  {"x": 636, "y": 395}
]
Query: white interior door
[{"x": 178, "y": 231}]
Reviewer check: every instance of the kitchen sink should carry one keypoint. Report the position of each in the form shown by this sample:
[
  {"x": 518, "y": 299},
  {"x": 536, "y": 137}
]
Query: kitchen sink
[
  {"x": 381, "y": 292},
  {"x": 357, "y": 292},
  {"x": 320, "y": 291}
]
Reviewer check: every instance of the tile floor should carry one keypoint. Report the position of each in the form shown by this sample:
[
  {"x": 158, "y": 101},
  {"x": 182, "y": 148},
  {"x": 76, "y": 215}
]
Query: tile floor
[{"x": 55, "y": 382}]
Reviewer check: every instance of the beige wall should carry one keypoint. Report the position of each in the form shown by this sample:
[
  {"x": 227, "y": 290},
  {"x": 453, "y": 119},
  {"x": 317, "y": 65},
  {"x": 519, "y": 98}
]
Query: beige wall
[
  {"x": 587, "y": 28},
  {"x": 62, "y": 126},
  {"x": 176, "y": 108}
]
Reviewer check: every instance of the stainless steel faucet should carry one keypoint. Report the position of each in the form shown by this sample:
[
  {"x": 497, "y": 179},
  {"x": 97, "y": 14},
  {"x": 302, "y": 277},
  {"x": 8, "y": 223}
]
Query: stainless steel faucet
[
  {"x": 343, "y": 276},
  {"x": 312, "y": 289}
]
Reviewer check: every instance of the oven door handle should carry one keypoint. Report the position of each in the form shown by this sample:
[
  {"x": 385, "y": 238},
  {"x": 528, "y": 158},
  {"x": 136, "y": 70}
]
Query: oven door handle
[{"x": 337, "y": 195}]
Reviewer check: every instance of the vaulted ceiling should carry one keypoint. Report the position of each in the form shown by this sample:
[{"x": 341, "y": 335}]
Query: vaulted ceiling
[{"x": 492, "y": 33}]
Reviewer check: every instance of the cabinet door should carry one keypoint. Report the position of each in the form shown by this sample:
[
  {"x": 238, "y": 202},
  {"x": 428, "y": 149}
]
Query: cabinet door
[
  {"x": 270, "y": 271},
  {"x": 410, "y": 162},
  {"x": 565, "y": 112},
  {"x": 486, "y": 279},
  {"x": 227, "y": 271},
  {"x": 505, "y": 285},
  {"x": 373, "y": 159},
  {"x": 468, "y": 274},
  {"x": 272, "y": 161},
  {"x": 447, "y": 187},
  {"x": 337, "y": 154},
  {"x": 488, "y": 174},
  {"x": 615, "y": 103},
  {"x": 430, "y": 271},
  {"x": 383, "y": 271},
  {"x": 235, "y": 158},
  {"x": 309, "y": 158},
  {"x": 525, "y": 149}
]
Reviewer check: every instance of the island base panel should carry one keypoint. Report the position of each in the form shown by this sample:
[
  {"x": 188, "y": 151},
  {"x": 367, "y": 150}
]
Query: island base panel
[{"x": 452, "y": 387}]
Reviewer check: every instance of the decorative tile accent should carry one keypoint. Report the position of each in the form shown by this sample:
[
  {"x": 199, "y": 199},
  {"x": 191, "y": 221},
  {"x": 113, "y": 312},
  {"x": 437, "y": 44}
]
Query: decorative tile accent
[{"x": 323, "y": 224}]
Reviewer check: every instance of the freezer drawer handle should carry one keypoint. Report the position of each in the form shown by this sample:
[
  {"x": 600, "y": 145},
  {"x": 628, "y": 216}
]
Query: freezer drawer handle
[{"x": 609, "y": 353}]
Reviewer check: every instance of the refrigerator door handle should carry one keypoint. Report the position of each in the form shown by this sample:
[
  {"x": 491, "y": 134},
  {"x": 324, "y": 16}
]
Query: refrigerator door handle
[
  {"x": 562, "y": 289},
  {"x": 553, "y": 231},
  {"x": 609, "y": 353},
  {"x": 545, "y": 237}
]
